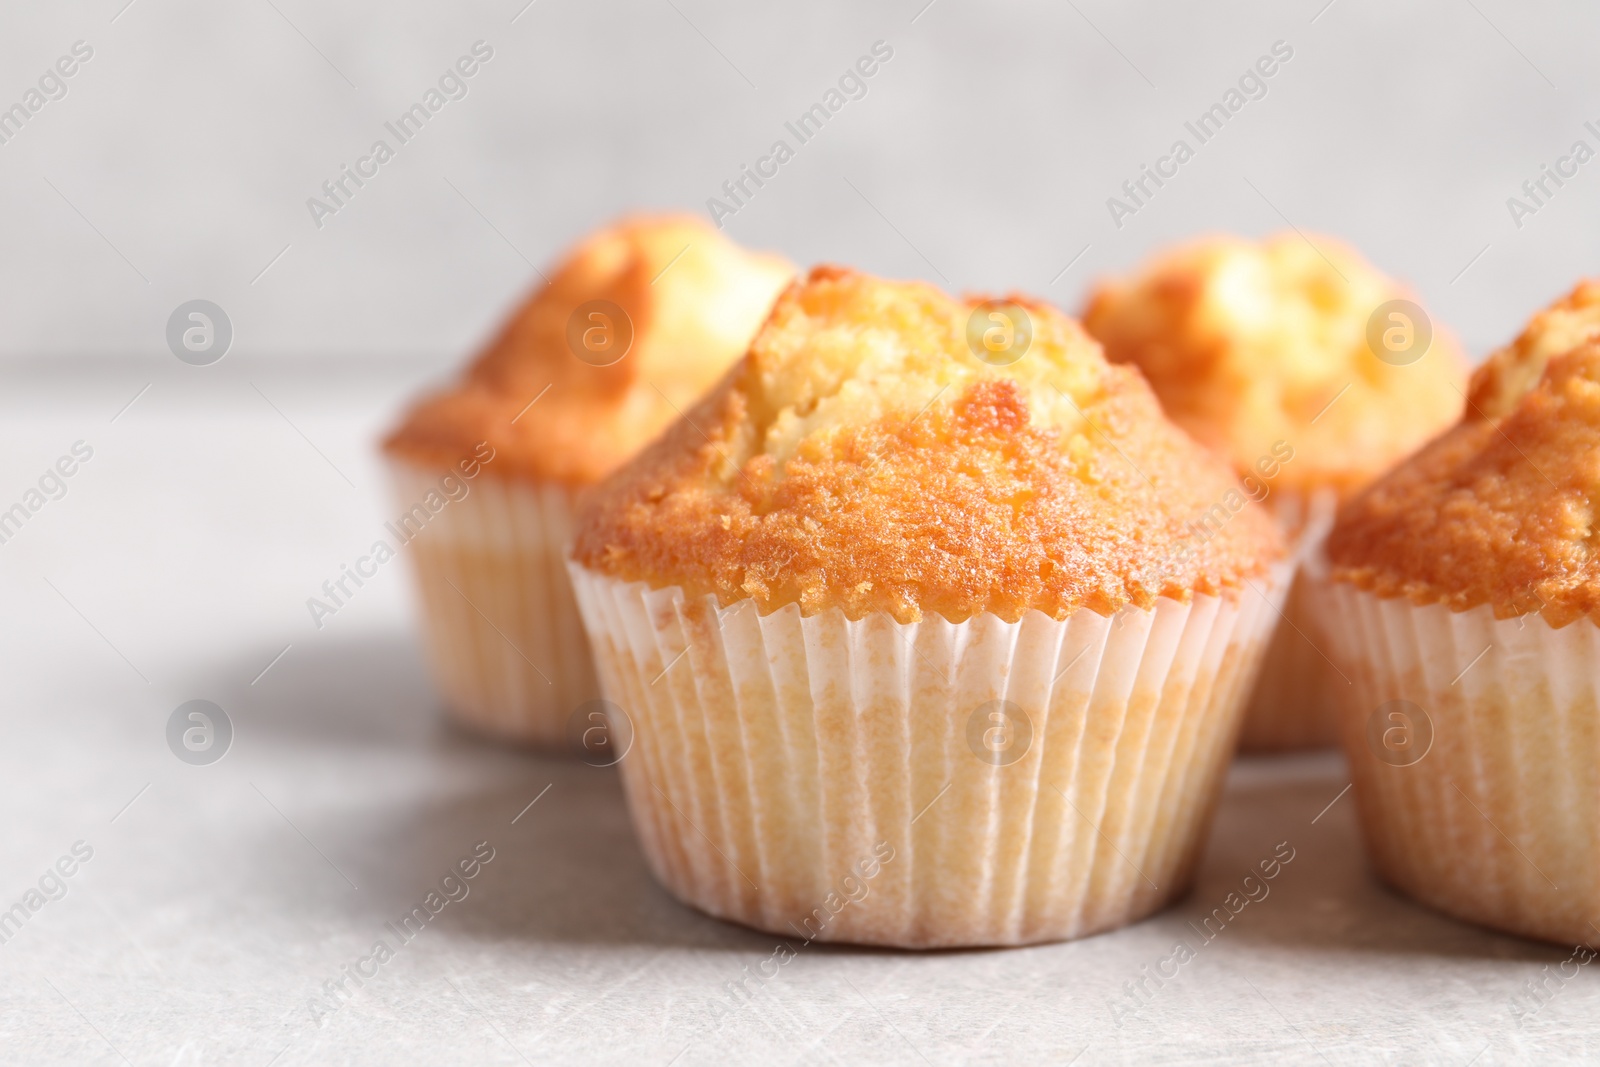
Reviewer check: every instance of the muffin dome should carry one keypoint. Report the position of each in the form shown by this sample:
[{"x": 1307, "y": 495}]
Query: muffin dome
[
  {"x": 1248, "y": 344},
  {"x": 863, "y": 457},
  {"x": 1510, "y": 372},
  {"x": 692, "y": 300},
  {"x": 1500, "y": 510}
]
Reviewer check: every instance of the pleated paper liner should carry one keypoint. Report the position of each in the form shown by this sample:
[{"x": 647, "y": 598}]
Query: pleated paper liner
[
  {"x": 926, "y": 785},
  {"x": 1474, "y": 745},
  {"x": 502, "y": 631},
  {"x": 1292, "y": 706}
]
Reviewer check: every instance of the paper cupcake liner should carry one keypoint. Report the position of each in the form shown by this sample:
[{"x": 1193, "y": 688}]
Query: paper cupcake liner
[
  {"x": 1292, "y": 706},
  {"x": 1482, "y": 804},
  {"x": 822, "y": 778},
  {"x": 499, "y": 621}
]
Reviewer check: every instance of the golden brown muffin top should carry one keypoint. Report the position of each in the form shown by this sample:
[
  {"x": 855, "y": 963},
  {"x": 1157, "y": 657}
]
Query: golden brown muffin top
[
  {"x": 1510, "y": 372},
  {"x": 1498, "y": 511},
  {"x": 691, "y": 300},
  {"x": 862, "y": 456},
  {"x": 1253, "y": 343}
]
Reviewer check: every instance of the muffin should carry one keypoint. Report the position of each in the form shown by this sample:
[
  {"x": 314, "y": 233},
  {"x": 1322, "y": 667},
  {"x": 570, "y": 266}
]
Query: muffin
[
  {"x": 1289, "y": 361},
  {"x": 1510, "y": 372},
  {"x": 1463, "y": 607},
  {"x": 633, "y": 326},
  {"x": 912, "y": 640}
]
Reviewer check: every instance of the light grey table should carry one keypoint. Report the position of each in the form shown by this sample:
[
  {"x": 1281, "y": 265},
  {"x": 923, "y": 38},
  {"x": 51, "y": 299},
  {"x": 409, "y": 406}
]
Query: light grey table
[{"x": 221, "y": 899}]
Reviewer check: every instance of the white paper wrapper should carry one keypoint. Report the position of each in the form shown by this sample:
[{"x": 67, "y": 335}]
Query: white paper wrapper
[
  {"x": 502, "y": 630},
  {"x": 1494, "y": 821},
  {"x": 1292, "y": 706},
  {"x": 776, "y": 761}
]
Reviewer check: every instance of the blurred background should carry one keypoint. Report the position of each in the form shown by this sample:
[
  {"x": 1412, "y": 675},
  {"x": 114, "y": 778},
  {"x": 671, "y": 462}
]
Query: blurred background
[{"x": 179, "y": 163}]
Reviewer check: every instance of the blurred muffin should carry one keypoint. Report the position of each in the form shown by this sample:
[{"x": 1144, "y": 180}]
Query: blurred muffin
[
  {"x": 910, "y": 635},
  {"x": 1464, "y": 604},
  {"x": 1312, "y": 374},
  {"x": 634, "y": 325}
]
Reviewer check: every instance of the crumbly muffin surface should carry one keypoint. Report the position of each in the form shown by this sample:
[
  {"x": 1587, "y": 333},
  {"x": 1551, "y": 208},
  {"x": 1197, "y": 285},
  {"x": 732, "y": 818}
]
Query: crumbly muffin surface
[
  {"x": 1499, "y": 510},
  {"x": 1510, "y": 372},
  {"x": 693, "y": 300},
  {"x": 1249, "y": 344},
  {"x": 863, "y": 457}
]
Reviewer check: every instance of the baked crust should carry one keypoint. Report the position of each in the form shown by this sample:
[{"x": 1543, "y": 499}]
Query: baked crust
[
  {"x": 694, "y": 299},
  {"x": 1499, "y": 510},
  {"x": 1253, "y": 343},
  {"x": 863, "y": 457},
  {"x": 1511, "y": 371}
]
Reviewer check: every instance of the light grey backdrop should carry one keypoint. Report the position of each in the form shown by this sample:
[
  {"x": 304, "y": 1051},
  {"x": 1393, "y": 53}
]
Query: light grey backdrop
[{"x": 179, "y": 163}]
